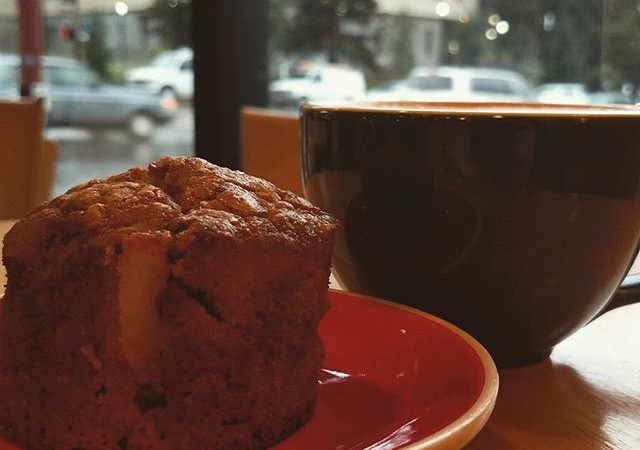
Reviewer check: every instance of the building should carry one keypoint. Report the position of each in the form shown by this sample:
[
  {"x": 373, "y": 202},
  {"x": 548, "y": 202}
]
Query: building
[
  {"x": 426, "y": 23},
  {"x": 123, "y": 23}
]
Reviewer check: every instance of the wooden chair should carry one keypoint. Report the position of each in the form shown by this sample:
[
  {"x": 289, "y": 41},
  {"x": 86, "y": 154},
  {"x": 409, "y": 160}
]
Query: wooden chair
[
  {"x": 270, "y": 145},
  {"x": 27, "y": 159}
]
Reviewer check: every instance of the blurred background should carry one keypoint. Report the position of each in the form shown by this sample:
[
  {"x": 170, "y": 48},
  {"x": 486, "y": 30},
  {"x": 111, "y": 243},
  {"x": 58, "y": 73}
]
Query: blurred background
[{"x": 118, "y": 76}]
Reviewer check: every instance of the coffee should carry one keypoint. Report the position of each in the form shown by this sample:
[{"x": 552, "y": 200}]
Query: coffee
[{"x": 515, "y": 222}]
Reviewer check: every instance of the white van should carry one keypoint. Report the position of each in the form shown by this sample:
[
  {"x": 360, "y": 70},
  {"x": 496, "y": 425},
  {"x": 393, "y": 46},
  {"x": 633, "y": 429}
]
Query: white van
[
  {"x": 170, "y": 74},
  {"x": 445, "y": 83},
  {"x": 316, "y": 83}
]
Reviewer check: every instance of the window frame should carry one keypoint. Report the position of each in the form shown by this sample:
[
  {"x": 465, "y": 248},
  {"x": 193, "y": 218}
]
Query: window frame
[{"x": 230, "y": 60}]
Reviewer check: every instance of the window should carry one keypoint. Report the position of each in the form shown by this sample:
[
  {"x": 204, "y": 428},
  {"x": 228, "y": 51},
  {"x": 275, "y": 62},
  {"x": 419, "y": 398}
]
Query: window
[
  {"x": 145, "y": 45},
  {"x": 431, "y": 83},
  {"x": 68, "y": 76},
  {"x": 537, "y": 43},
  {"x": 8, "y": 74},
  {"x": 187, "y": 65},
  {"x": 119, "y": 79},
  {"x": 491, "y": 85}
]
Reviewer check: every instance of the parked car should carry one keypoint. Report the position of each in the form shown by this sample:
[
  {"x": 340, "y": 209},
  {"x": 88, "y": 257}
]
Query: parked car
[
  {"x": 77, "y": 96},
  {"x": 610, "y": 98},
  {"x": 446, "y": 83},
  {"x": 169, "y": 74},
  {"x": 317, "y": 83},
  {"x": 570, "y": 93}
]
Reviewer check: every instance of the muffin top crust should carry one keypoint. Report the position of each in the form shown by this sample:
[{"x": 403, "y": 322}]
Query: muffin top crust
[{"x": 179, "y": 197}]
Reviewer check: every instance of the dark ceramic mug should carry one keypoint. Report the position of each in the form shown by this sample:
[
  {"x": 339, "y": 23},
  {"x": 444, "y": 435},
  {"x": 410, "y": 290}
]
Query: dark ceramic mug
[{"x": 516, "y": 222}]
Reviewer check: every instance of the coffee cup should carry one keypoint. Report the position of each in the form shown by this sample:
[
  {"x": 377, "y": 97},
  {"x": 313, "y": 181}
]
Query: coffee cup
[{"x": 516, "y": 222}]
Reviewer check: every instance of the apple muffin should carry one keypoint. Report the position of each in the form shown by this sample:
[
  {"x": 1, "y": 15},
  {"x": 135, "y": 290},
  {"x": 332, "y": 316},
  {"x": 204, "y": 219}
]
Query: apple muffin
[{"x": 167, "y": 308}]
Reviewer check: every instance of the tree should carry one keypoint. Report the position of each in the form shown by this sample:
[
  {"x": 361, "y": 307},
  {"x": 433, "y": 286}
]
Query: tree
[
  {"x": 621, "y": 43},
  {"x": 570, "y": 50},
  {"x": 399, "y": 35},
  {"x": 174, "y": 19},
  {"x": 96, "y": 51},
  {"x": 340, "y": 29},
  {"x": 547, "y": 40}
]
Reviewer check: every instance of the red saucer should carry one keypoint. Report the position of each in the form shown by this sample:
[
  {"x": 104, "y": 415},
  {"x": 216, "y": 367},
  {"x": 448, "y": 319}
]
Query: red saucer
[{"x": 396, "y": 378}]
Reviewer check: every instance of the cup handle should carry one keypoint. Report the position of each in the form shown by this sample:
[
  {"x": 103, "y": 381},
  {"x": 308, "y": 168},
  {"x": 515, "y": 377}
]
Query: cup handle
[{"x": 622, "y": 297}]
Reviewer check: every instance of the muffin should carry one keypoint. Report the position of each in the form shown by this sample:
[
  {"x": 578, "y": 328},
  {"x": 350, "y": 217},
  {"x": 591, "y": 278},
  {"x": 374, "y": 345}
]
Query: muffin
[{"x": 167, "y": 308}]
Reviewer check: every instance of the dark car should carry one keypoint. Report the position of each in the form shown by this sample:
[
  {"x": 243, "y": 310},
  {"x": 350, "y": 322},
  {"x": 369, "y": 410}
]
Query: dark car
[{"x": 76, "y": 96}]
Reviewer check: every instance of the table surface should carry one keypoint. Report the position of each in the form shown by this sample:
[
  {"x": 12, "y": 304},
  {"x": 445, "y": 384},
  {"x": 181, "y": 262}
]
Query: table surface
[{"x": 586, "y": 396}]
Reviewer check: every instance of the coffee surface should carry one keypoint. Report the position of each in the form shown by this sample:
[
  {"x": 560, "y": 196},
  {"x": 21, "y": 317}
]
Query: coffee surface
[{"x": 481, "y": 109}]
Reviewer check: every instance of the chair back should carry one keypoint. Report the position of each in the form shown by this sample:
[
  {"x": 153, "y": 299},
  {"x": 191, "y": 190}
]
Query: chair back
[
  {"x": 270, "y": 142},
  {"x": 26, "y": 159}
]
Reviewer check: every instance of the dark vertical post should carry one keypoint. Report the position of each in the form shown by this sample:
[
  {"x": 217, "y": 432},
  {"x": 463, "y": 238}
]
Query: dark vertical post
[
  {"x": 230, "y": 67},
  {"x": 30, "y": 44}
]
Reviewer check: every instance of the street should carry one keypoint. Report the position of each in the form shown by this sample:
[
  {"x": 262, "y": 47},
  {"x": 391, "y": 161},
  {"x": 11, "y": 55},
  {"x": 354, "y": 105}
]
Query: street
[{"x": 85, "y": 154}]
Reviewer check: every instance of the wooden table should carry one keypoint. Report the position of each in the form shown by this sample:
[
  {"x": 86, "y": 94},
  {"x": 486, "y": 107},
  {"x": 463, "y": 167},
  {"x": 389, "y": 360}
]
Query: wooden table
[{"x": 586, "y": 396}]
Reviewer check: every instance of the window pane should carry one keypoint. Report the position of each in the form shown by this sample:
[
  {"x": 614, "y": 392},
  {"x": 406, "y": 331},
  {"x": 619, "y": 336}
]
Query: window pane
[
  {"x": 118, "y": 78},
  {"x": 490, "y": 85},
  {"x": 9, "y": 76},
  {"x": 432, "y": 83},
  {"x": 574, "y": 51}
]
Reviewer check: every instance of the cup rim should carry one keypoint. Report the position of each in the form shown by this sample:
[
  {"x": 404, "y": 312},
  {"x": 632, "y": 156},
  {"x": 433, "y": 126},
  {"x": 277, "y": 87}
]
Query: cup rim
[{"x": 483, "y": 109}]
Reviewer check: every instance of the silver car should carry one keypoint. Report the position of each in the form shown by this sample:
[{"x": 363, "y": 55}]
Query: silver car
[{"x": 78, "y": 97}]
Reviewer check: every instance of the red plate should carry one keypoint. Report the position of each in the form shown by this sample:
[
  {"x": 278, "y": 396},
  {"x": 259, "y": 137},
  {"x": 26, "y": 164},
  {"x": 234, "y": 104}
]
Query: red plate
[{"x": 395, "y": 378}]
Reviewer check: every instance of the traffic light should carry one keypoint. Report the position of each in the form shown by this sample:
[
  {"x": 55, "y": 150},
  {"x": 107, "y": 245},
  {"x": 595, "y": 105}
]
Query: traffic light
[{"x": 66, "y": 33}]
